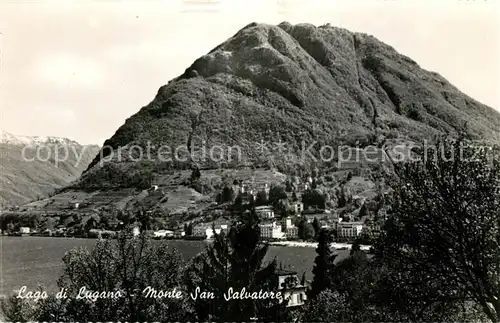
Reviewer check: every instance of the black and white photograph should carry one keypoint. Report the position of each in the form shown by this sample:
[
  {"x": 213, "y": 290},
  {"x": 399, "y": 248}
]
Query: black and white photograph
[{"x": 250, "y": 161}]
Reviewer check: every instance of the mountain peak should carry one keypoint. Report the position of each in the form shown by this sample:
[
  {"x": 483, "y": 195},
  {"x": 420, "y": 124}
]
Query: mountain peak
[
  {"x": 302, "y": 83},
  {"x": 19, "y": 140}
]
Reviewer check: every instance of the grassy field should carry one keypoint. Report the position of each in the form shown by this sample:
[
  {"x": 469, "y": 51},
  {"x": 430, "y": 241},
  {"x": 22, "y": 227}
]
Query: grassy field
[{"x": 33, "y": 261}]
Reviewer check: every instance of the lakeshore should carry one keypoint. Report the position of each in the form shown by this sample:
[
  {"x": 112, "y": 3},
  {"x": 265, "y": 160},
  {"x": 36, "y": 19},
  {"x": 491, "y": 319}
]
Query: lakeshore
[{"x": 305, "y": 244}]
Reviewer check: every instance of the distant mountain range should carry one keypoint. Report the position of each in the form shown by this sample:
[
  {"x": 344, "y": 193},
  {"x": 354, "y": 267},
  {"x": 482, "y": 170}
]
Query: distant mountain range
[
  {"x": 33, "y": 166},
  {"x": 10, "y": 139}
]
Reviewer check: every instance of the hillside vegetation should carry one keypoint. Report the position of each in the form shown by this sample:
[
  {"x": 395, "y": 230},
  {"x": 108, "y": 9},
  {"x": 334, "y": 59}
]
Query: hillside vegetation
[{"x": 295, "y": 84}]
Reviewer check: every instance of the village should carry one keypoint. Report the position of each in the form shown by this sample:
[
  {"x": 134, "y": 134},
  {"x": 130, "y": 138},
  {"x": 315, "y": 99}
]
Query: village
[
  {"x": 283, "y": 214},
  {"x": 293, "y": 212}
]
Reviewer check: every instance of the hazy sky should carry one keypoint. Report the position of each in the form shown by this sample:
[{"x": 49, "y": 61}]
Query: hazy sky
[{"x": 78, "y": 69}]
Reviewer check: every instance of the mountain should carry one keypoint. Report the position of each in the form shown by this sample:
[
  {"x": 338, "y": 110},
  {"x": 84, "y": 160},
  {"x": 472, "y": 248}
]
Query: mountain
[
  {"x": 32, "y": 167},
  {"x": 10, "y": 139},
  {"x": 255, "y": 103},
  {"x": 303, "y": 83}
]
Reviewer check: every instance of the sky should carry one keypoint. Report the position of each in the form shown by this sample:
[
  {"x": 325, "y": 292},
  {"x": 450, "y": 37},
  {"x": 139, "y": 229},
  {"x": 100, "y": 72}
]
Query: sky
[{"x": 78, "y": 69}]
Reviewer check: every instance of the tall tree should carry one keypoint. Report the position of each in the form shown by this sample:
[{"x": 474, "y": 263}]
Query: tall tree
[
  {"x": 305, "y": 229},
  {"x": 236, "y": 261},
  {"x": 276, "y": 193},
  {"x": 323, "y": 265},
  {"x": 227, "y": 194},
  {"x": 444, "y": 230},
  {"x": 261, "y": 198},
  {"x": 313, "y": 198},
  {"x": 210, "y": 272},
  {"x": 195, "y": 174},
  {"x": 316, "y": 226}
]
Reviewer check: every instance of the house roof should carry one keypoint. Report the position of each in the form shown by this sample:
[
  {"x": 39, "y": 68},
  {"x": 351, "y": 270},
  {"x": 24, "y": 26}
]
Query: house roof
[
  {"x": 350, "y": 223},
  {"x": 319, "y": 215},
  {"x": 283, "y": 272},
  {"x": 269, "y": 224}
]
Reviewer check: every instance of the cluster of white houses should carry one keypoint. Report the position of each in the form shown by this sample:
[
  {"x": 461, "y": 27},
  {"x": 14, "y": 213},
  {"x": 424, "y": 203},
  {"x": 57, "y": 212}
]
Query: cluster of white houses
[
  {"x": 272, "y": 228},
  {"x": 207, "y": 229}
]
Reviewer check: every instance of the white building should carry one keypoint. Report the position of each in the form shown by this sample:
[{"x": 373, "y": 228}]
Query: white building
[
  {"x": 136, "y": 231},
  {"x": 206, "y": 230},
  {"x": 200, "y": 230},
  {"x": 179, "y": 233},
  {"x": 24, "y": 230},
  {"x": 293, "y": 291},
  {"x": 266, "y": 189},
  {"x": 271, "y": 231},
  {"x": 290, "y": 230},
  {"x": 298, "y": 207},
  {"x": 286, "y": 222},
  {"x": 349, "y": 229},
  {"x": 163, "y": 233}
]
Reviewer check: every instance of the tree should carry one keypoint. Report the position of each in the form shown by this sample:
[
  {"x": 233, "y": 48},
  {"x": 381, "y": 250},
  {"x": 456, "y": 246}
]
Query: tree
[
  {"x": 278, "y": 198},
  {"x": 323, "y": 265},
  {"x": 10, "y": 227},
  {"x": 303, "y": 279},
  {"x": 188, "y": 229},
  {"x": 444, "y": 228},
  {"x": 313, "y": 198},
  {"x": 126, "y": 266},
  {"x": 328, "y": 306},
  {"x": 363, "y": 211},
  {"x": 17, "y": 310},
  {"x": 354, "y": 278},
  {"x": 355, "y": 248},
  {"x": 363, "y": 293},
  {"x": 316, "y": 226},
  {"x": 144, "y": 217},
  {"x": 261, "y": 198},
  {"x": 277, "y": 193},
  {"x": 227, "y": 194},
  {"x": 308, "y": 233},
  {"x": 209, "y": 271},
  {"x": 236, "y": 261},
  {"x": 237, "y": 206},
  {"x": 195, "y": 174},
  {"x": 90, "y": 224},
  {"x": 343, "y": 197},
  {"x": 305, "y": 230}
]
